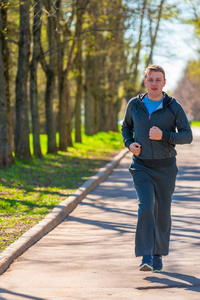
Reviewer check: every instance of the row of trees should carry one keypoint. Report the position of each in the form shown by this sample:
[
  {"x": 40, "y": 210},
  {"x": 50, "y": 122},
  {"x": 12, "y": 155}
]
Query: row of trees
[
  {"x": 188, "y": 88},
  {"x": 74, "y": 59}
]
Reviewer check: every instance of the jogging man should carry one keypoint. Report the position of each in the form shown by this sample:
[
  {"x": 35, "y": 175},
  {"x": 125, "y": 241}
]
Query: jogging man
[{"x": 153, "y": 124}]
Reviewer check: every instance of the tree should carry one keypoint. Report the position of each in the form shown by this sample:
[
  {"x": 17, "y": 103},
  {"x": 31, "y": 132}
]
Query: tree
[
  {"x": 187, "y": 90},
  {"x": 33, "y": 78},
  {"x": 194, "y": 15},
  {"x": 152, "y": 12},
  {"x": 22, "y": 147},
  {"x": 139, "y": 44},
  {"x": 94, "y": 64},
  {"x": 105, "y": 65},
  {"x": 6, "y": 60},
  {"x": 115, "y": 58},
  {"x": 147, "y": 26},
  {"x": 80, "y": 10},
  {"x": 6, "y": 158},
  {"x": 64, "y": 49},
  {"x": 50, "y": 71}
]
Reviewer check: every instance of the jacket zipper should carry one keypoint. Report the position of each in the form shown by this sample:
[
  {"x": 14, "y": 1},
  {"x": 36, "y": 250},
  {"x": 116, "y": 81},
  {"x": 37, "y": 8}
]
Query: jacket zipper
[
  {"x": 149, "y": 125},
  {"x": 145, "y": 109}
]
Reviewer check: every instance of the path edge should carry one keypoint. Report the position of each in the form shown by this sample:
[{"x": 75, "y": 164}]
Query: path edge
[{"x": 57, "y": 215}]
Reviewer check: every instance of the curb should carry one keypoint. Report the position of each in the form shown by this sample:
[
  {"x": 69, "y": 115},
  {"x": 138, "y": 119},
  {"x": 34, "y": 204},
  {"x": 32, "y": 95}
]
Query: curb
[{"x": 57, "y": 215}]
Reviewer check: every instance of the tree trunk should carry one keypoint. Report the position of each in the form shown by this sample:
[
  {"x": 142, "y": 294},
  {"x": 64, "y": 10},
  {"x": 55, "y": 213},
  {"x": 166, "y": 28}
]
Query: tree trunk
[
  {"x": 89, "y": 97},
  {"x": 62, "y": 115},
  {"x": 93, "y": 72},
  {"x": 101, "y": 100},
  {"x": 137, "y": 57},
  {"x": 22, "y": 147},
  {"x": 6, "y": 158},
  {"x": 78, "y": 78},
  {"x": 68, "y": 114},
  {"x": 113, "y": 111},
  {"x": 50, "y": 70},
  {"x": 80, "y": 6},
  {"x": 154, "y": 36},
  {"x": 33, "y": 79},
  {"x": 6, "y": 58},
  {"x": 50, "y": 122},
  {"x": 65, "y": 138},
  {"x": 62, "y": 128}
]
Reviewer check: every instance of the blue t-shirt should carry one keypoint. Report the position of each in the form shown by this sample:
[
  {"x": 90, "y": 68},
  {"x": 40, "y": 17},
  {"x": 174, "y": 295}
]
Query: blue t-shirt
[{"x": 152, "y": 105}]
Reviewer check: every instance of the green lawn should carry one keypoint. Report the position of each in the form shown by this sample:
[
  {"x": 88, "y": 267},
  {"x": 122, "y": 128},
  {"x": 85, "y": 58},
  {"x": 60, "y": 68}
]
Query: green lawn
[
  {"x": 195, "y": 123},
  {"x": 30, "y": 190}
]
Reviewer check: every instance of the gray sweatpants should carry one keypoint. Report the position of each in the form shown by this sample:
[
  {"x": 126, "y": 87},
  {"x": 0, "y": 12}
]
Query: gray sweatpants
[{"x": 154, "y": 187}]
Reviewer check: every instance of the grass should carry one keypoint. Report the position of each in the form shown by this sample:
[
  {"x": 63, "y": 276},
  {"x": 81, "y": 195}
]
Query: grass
[
  {"x": 30, "y": 190},
  {"x": 195, "y": 123}
]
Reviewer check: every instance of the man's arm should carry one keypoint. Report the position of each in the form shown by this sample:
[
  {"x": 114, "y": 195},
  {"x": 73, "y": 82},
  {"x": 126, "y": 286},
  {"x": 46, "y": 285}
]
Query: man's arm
[
  {"x": 128, "y": 126},
  {"x": 184, "y": 134}
]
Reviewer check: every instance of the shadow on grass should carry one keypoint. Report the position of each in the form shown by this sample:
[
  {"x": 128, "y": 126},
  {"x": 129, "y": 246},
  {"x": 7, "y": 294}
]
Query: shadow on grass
[
  {"x": 55, "y": 171},
  {"x": 41, "y": 184}
]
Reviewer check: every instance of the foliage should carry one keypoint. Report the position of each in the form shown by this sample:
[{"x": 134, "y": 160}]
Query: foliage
[
  {"x": 193, "y": 71},
  {"x": 191, "y": 16},
  {"x": 187, "y": 90}
]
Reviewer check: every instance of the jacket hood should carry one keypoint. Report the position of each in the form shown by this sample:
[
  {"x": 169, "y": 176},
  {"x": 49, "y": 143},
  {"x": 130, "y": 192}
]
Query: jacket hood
[{"x": 167, "y": 99}]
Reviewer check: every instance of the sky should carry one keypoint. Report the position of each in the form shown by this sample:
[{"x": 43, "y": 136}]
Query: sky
[{"x": 176, "y": 45}]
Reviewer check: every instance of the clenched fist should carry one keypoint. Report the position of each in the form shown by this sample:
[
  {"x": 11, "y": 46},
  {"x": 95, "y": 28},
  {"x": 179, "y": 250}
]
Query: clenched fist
[
  {"x": 135, "y": 148},
  {"x": 155, "y": 133}
]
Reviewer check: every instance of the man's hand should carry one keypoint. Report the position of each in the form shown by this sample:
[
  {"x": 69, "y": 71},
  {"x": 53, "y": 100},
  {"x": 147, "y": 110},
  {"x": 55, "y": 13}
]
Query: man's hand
[
  {"x": 155, "y": 133},
  {"x": 135, "y": 148}
]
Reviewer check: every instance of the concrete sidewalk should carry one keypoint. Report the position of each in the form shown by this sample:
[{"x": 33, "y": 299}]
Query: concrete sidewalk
[{"x": 90, "y": 255}]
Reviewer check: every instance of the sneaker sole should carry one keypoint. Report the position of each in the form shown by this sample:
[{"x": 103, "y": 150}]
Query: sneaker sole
[
  {"x": 146, "y": 267},
  {"x": 157, "y": 270}
]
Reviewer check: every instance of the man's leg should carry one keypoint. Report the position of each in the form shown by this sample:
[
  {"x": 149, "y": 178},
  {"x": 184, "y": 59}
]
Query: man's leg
[
  {"x": 144, "y": 240},
  {"x": 164, "y": 188}
]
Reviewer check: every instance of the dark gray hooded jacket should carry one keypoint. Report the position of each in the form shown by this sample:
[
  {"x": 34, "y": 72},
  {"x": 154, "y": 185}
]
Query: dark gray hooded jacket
[{"x": 171, "y": 119}]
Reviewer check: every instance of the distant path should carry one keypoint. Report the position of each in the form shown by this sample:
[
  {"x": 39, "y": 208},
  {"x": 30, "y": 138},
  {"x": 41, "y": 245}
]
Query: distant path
[
  {"x": 91, "y": 254},
  {"x": 196, "y": 130}
]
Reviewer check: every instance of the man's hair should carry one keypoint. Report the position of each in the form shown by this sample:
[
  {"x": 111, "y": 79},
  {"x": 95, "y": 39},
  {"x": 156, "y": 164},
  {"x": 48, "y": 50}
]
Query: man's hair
[{"x": 154, "y": 68}]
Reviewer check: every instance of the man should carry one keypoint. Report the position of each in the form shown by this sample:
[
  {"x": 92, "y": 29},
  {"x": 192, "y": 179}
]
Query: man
[{"x": 153, "y": 124}]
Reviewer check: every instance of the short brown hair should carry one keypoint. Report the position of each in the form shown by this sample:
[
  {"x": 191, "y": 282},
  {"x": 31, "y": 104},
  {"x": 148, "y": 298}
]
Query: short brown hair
[{"x": 154, "y": 68}]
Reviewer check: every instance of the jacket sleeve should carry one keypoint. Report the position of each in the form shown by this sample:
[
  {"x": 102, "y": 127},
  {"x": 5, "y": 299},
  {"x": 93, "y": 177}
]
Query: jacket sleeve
[
  {"x": 128, "y": 126},
  {"x": 184, "y": 132}
]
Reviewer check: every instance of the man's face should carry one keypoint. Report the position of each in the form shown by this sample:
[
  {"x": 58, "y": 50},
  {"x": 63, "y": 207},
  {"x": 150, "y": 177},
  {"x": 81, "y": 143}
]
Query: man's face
[{"x": 154, "y": 83}]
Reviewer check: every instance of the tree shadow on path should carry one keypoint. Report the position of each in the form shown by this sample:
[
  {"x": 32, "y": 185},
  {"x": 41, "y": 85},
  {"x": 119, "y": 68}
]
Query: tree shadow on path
[
  {"x": 22, "y": 296},
  {"x": 179, "y": 280}
]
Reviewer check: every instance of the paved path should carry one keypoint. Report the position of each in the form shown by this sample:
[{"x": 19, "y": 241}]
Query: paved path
[{"x": 91, "y": 254}]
